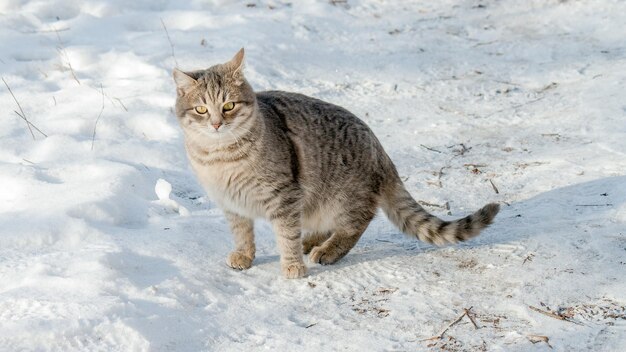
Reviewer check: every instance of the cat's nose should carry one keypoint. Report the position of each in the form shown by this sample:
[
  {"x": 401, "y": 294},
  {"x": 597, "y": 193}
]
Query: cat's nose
[{"x": 216, "y": 125}]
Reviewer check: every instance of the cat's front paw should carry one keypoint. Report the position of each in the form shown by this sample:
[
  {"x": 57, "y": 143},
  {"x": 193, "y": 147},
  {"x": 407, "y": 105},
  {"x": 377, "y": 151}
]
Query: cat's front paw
[
  {"x": 294, "y": 270},
  {"x": 238, "y": 260}
]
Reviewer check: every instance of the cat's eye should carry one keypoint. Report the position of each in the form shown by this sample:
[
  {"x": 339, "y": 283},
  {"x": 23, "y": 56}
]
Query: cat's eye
[
  {"x": 201, "y": 109},
  {"x": 228, "y": 106}
]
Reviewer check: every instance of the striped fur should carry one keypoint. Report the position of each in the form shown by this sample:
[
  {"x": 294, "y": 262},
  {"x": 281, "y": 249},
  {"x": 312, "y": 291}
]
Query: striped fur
[
  {"x": 413, "y": 220},
  {"x": 311, "y": 168}
]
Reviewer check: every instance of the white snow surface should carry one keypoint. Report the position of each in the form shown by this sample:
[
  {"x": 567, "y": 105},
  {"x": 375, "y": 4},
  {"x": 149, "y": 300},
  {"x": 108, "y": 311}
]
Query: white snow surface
[{"x": 527, "y": 95}]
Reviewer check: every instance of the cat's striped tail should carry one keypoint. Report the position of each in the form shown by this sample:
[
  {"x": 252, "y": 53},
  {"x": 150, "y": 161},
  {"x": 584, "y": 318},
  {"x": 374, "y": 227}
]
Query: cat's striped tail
[{"x": 413, "y": 220}]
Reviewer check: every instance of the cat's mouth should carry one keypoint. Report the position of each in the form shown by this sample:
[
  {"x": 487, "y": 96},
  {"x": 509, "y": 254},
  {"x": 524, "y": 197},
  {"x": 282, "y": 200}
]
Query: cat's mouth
[
  {"x": 215, "y": 129},
  {"x": 224, "y": 130}
]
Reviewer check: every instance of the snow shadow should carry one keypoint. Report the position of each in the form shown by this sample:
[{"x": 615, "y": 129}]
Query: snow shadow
[
  {"x": 550, "y": 216},
  {"x": 142, "y": 271},
  {"x": 159, "y": 303}
]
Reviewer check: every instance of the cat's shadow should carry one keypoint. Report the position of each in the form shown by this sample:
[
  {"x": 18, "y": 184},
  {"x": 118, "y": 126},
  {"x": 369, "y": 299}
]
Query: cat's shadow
[{"x": 553, "y": 215}]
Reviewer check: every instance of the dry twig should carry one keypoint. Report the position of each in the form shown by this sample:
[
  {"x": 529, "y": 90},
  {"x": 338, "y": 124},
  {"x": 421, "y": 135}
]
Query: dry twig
[
  {"x": 507, "y": 82},
  {"x": 467, "y": 312},
  {"x": 475, "y": 165},
  {"x": 460, "y": 152},
  {"x": 553, "y": 315},
  {"x": 440, "y": 335},
  {"x": 445, "y": 206},
  {"x": 438, "y": 174},
  {"x": 529, "y": 258},
  {"x": 484, "y": 43},
  {"x": 548, "y": 87},
  {"x": 539, "y": 338},
  {"x": 431, "y": 149},
  {"x": 495, "y": 189}
]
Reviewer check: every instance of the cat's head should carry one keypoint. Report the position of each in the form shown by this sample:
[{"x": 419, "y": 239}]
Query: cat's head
[{"x": 214, "y": 102}]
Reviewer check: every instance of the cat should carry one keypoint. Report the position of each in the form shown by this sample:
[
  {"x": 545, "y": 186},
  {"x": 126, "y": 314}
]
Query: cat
[{"x": 311, "y": 168}]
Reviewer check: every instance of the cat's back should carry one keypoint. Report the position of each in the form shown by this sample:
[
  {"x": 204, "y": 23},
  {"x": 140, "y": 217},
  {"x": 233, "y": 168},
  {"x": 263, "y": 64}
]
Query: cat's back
[
  {"x": 303, "y": 115},
  {"x": 331, "y": 145}
]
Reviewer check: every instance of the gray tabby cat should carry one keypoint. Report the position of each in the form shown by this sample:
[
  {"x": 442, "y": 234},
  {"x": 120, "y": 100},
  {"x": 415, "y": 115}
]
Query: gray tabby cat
[{"x": 313, "y": 169}]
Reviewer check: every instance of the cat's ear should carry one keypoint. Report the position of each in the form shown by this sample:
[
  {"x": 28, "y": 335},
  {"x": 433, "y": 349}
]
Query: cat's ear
[
  {"x": 183, "y": 81},
  {"x": 236, "y": 65}
]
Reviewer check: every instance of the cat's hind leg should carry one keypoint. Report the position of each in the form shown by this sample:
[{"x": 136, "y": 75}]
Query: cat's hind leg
[
  {"x": 353, "y": 224},
  {"x": 314, "y": 239}
]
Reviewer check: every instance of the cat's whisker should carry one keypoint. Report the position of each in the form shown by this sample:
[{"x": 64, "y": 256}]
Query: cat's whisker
[
  {"x": 236, "y": 138},
  {"x": 244, "y": 129}
]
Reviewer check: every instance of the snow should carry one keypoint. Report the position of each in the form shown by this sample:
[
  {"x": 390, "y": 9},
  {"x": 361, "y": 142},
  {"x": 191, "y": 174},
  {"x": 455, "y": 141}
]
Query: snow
[
  {"x": 163, "y": 190},
  {"x": 119, "y": 249}
]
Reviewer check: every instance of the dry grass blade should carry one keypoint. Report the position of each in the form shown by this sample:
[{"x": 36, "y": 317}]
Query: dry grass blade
[
  {"x": 30, "y": 123},
  {"x": 48, "y": 30},
  {"x": 122, "y": 104},
  {"x": 115, "y": 101},
  {"x": 63, "y": 53},
  {"x": 93, "y": 137},
  {"x": 553, "y": 315},
  {"x": 170, "y": 40},
  {"x": 514, "y": 107},
  {"x": 23, "y": 115}
]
